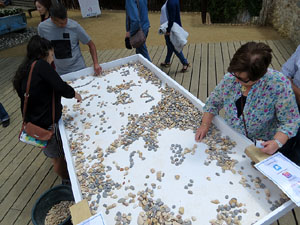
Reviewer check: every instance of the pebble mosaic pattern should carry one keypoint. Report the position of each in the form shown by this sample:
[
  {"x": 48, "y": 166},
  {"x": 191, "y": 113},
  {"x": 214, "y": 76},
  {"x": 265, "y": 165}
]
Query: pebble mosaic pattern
[{"x": 172, "y": 111}]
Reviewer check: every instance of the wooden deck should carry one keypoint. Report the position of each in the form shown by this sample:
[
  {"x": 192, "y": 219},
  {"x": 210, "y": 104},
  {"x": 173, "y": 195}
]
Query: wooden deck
[{"x": 25, "y": 173}]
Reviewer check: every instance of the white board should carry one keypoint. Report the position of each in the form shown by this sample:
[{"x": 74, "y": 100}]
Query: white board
[
  {"x": 89, "y": 8},
  {"x": 221, "y": 186}
]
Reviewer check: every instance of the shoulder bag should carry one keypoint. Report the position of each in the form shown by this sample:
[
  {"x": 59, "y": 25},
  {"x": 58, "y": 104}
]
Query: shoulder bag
[{"x": 31, "y": 133}]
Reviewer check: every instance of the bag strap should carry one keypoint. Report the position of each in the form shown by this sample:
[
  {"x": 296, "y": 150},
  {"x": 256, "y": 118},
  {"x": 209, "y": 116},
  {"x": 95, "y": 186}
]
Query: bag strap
[
  {"x": 26, "y": 96},
  {"x": 244, "y": 121}
]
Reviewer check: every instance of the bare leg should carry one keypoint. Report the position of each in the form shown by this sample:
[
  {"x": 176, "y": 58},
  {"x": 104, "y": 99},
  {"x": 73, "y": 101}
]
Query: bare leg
[{"x": 60, "y": 167}]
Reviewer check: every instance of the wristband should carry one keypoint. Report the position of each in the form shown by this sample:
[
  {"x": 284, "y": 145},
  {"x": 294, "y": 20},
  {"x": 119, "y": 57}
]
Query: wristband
[{"x": 278, "y": 142}]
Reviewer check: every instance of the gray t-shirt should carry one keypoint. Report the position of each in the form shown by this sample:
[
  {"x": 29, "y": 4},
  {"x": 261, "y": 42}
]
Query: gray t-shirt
[{"x": 67, "y": 52}]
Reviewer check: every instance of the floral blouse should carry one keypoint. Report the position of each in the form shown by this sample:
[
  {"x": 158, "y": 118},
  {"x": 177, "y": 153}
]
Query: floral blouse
[{"x": 270, "y": 106}]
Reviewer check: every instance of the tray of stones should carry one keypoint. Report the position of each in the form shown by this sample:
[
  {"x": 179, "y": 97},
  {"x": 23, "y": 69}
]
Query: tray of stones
[{"x": 131, "y": 153}]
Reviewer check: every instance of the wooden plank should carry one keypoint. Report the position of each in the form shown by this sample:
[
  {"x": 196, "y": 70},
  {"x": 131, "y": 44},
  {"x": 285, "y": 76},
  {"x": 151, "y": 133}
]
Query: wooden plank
[
  {"x": 275, "y": 64},
  {"x": 23, "y": 179},
  {"x": 21, "y": 202},
  {"x": 287, "y": 219},
  {"x": 285, "y": 54},
  {"x": 178, "y": 74},
  {"x": 8, "y": 71},
  {"x": 202, "y": 92},
  {"x": 196, "y": 71},
  {"x": 158, "y": 58},
  {"x": 25, "y": 216},
  {"x": 219, "y": 62},
  {"x": 109, "y": 55},
  {"x": 226, "y": 57},
  {"x": 105, "y": 55},
  {"x": 187, "y": 77},
  {"x": 27, "y": 193},
  {"x": 8, "y": 181},
  {"x": 289, "y": 46},
  {"x": 211, "y": 75},
  {"x": 114, "y": 55},
  {"x": 12, "y": 160},
  {"x": 10, "y": 217},
  {"x": 297, "y": 214},
  {"x": 231, "y": 49},
  {"x": 15, "y": 124},
  {"x": 276, "y": 54}
]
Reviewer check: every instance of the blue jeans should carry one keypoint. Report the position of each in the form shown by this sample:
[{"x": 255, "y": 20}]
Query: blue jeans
[
  {"x": 143, "y": 49},
  {"x": 171, "y": 49},
  {"x": 3, "y": 114}
]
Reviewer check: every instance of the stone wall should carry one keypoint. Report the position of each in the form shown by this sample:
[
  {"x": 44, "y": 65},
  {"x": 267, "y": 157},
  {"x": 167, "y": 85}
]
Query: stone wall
[{"x": 285, "y": 17}]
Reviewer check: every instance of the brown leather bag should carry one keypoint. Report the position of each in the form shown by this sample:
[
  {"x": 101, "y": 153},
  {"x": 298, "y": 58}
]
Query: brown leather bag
[
  {"x": 139, "y": 38},
  {"x": 32, "y": 130}
]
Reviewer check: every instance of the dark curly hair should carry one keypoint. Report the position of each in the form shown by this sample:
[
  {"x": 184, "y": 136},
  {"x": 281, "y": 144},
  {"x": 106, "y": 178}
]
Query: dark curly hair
[
  {"x": 253, "y": 58},
  {"x": 37, "y": 48}
]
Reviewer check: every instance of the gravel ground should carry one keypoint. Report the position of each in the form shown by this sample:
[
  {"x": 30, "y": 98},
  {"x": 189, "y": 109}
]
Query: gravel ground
[{"x": 15, "y": 38}]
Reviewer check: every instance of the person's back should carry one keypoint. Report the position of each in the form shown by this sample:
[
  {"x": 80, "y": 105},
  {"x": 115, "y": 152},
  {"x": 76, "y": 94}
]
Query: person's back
[{"x": 173, "y": 10}]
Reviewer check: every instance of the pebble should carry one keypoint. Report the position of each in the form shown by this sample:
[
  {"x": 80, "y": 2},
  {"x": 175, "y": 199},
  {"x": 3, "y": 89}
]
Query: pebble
[{"x": 58, "y": 213}]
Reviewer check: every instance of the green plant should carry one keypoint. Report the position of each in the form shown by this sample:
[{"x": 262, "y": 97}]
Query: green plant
[
  {"x": 226, "y": 11},
  {"x": 9, "y": 12}
]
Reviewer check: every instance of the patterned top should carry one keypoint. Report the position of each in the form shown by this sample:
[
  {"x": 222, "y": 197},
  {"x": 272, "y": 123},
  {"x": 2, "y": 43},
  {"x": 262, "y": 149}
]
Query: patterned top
[{"x": 270, "y": 106}]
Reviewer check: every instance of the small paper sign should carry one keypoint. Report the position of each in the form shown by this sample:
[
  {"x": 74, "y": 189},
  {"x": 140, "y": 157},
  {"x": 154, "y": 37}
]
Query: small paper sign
[
  {"x": 284, "y": 173},
  {"x": 89, "y": 8},
  {"x": 94, "y": 220}
]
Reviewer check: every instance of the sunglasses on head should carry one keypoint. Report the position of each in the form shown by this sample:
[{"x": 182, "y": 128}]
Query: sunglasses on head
[{"x": 240, "y": 79}]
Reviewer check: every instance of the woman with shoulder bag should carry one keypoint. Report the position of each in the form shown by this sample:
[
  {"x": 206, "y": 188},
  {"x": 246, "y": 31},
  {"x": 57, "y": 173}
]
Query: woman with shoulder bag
[{"x": 44, "y": 85}]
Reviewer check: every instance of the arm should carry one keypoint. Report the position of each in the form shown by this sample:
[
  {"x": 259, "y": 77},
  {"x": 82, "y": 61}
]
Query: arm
[
  {"x": 93, "y": 53},
  {"x": 289, "y": 68},
  {"x": 288, "y": 118},
  {"x": 271, "y": 146},
  {"x": 204, "y": 127},
  {"x": 133, "y": 20},
  {"x": 213, "y": 105},
  {"x": 296, "y": 91},
  {"x": 171, "y": 9},
  {"x": 54, "y": 80}
]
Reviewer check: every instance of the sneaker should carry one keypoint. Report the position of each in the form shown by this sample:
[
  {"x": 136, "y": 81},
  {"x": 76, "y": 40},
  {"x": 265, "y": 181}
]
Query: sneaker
[
  {"x": 5, "y": 123},
  {"x": 166, "y": 65},
  {"x": 185, "y": 68}
]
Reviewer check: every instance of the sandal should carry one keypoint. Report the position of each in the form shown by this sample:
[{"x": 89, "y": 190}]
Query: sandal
[
  {"x": 185, "y": 68},
  {"x": 166, "y": 65}
]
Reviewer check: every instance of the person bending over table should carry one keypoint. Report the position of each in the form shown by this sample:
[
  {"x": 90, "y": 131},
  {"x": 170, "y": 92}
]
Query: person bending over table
[
  {"x": 45, "y": 84},
  {"x": 65, "y": 34},
  {"x": 258, "y": 101}
]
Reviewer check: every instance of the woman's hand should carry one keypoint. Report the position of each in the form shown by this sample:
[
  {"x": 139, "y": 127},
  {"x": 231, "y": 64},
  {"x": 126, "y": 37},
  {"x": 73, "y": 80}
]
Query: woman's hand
[
  {"x": 270, "y": 147},
  {"x": 201, "y": 132},
  {"x": 78, "y": 97}
]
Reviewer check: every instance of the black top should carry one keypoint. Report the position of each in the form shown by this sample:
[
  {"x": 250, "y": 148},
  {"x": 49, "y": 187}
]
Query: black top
[
  {"x": 239, "y": 105},
  {"x": 173, "y": 10},
  {"x": 44, "y": 80}
]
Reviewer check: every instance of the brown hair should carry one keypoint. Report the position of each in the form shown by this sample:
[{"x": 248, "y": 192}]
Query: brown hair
[{"x": 252, "y": 58}]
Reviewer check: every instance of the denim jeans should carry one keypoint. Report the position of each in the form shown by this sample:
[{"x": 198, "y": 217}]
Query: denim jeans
[
  {"x": 143, "y": 49},
  {"x": 3, "y": 114},
  {"x": 171, "y": 49}
]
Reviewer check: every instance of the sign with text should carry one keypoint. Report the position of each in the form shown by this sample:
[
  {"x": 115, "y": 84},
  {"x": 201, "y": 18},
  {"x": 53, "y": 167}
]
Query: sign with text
[
  {"x": 89, "y": 8},
  {"x": 284, "y": 173},
  {"x": 94, "y": 220}
]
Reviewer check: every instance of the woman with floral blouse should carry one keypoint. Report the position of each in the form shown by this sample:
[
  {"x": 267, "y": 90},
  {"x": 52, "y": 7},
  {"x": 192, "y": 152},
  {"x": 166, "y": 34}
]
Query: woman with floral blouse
[{"x": 258, "y": 101}]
